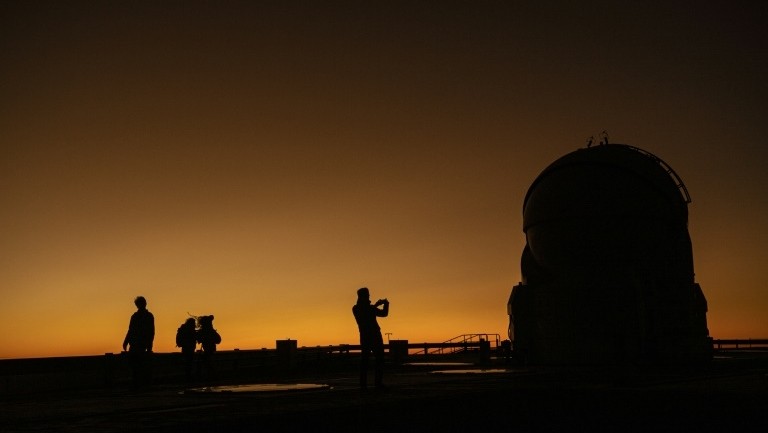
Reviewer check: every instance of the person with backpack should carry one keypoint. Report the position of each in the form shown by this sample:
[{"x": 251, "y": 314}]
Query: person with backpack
[{"x": 186, "y": 339}]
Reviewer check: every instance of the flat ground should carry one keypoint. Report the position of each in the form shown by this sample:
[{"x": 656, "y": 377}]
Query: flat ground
[{"x": 730, "y": 395}]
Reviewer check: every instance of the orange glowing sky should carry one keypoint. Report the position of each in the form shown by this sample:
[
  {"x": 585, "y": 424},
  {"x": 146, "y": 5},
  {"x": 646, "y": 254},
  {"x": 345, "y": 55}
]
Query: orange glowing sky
[{"x": 260, "y": 161}]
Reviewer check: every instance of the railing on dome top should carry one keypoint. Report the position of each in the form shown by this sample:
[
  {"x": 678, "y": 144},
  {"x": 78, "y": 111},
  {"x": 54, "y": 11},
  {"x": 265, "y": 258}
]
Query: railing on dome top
[{"x": 678, "y": 181}]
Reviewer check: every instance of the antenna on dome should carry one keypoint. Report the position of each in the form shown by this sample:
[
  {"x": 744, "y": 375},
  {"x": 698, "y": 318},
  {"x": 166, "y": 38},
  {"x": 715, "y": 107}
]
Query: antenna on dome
[{"x": 604, "y": 136}]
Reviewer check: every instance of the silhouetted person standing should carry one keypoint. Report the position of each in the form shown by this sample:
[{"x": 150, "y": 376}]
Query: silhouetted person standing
[
  {"x": 186, "y": 339},
  {"x": 138, "y": 340},
  {"x": 208, "y": 338},
  {"x": 370, "y": 335}
]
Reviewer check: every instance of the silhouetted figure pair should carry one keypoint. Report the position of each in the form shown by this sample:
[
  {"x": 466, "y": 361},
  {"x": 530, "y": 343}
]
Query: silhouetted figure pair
[
  {"x": 370, "y": 335},
  {"x": 186, "y": 339},
  {"x": 208, "y": 338},
  {"x": 138, "y": 341}
]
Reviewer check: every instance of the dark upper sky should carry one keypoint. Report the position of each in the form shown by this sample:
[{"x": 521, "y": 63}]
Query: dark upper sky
[{"x": 262, "y": 160}]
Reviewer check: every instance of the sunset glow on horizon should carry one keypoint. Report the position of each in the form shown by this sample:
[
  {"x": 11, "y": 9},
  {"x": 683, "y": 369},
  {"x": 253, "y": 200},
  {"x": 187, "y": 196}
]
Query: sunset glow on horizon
[{"x": 261, "y": 161}]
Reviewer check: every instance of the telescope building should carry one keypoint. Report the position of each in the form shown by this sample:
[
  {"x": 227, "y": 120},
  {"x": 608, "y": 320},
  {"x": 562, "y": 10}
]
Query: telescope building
[{"x": 607, "y": 270}]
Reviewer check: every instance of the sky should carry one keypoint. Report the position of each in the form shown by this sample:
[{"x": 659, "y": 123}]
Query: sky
[{"x": 261, "y": 160}]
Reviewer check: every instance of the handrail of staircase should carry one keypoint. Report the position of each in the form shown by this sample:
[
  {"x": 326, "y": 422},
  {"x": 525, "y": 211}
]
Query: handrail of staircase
[{"x": 451, "y": 344}]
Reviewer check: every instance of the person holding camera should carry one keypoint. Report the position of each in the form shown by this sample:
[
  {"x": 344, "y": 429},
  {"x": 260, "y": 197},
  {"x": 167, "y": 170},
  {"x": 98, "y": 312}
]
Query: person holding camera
[{"x": 370, "y": 335}]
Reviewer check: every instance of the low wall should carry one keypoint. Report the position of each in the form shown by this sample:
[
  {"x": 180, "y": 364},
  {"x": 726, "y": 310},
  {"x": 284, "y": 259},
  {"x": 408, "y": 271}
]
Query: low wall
[{"x": 23, "y": 376}]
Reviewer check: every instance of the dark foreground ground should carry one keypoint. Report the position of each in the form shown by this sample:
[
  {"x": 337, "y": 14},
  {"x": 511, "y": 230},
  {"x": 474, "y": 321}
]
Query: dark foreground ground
[{"x": 730, "y": 395}]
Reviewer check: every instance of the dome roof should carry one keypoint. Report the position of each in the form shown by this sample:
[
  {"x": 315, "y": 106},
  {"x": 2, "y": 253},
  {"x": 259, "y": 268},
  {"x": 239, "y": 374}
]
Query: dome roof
[
  {"x": 605, "y": 180},
  {"x": 607, "y": 209}
]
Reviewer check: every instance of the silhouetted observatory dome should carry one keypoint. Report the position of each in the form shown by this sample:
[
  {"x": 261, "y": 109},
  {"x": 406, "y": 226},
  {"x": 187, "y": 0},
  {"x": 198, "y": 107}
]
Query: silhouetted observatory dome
[{"x": 608, "y": 265}]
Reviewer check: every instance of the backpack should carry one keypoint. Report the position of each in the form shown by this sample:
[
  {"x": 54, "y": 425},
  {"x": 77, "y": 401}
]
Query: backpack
[
  {"x": 180, "y": 336},
  {"x": 185, "y": 336}
]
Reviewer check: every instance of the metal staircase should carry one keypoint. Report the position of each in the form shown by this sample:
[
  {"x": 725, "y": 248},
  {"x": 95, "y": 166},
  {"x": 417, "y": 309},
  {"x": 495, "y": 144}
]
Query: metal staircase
[{"x": 461, "y": 343}]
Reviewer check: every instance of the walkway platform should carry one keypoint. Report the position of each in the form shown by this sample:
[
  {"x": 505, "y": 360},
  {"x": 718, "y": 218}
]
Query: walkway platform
[{"x": 729, "y": 395}]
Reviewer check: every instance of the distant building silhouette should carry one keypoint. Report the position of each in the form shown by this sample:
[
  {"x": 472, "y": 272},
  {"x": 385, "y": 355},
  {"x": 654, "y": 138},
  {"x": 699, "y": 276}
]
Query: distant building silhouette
[{"x": 608, "y": 267}]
